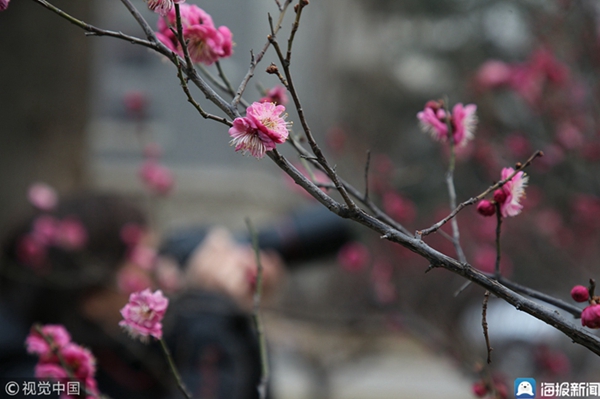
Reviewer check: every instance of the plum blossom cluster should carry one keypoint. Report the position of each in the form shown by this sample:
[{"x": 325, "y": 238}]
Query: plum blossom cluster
[
  {"x": 206, "y": 43},
  {"x": 590, "y": 316},
  {"x": 157, "y": 178},
  {"x": 162, "y": 7},
  {"x": 462, "y": 121},
  {"x": 61, "y": 359},
  {"x": 528, "y": 79},
  {"x": 48, "y": 231},
  {"x": 260, "y": 130},
  {"x": 143, "y": 314},
  {"x": 508, "y": 197}
]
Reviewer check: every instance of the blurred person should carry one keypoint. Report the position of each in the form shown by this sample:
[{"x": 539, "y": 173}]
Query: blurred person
[{"x": 76, "y": 263}]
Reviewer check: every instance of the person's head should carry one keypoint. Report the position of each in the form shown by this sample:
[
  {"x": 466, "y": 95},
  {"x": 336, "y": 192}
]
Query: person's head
[{"x": 53, "y": 259}]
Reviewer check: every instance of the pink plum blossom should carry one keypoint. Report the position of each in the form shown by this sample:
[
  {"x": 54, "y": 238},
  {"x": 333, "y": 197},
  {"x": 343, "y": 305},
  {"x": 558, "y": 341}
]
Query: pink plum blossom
[
  {"x": 143, "y": 314},
  {"x": 433, "y": 120},
  {"x": 162, "y": 7},
  {"x": 206, "y": 43},
  {"x": 4, "y": 4},
  {"x": 260, "y": 130},
  {"x": 79, "y": 359},
  {"x": 42, "y": 196},
  {"x": 59, "y": 358},
  {"x": 463, "y": 120},
  {"x": 514, "y": 190},
  {"x": 579, "y": 293},
  {"x": 38, "y": 344},
  {"x": 590, "y": 317},
  {"x": 275, "y": 95},
  {"x": 157, "y": 178},
  {"x": 493, "y": 73}
]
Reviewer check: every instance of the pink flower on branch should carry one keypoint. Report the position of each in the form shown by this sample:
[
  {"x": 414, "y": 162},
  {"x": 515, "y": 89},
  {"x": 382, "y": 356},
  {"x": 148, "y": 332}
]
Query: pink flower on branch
[
  {"x": 52, "y": 335},
  {"x": 514, "y": 189},
  {"x": 508, "y": 196},
  {"x": 463, "y": 121},
  {"x": 162, "y": 7},
  {"x": 260, "y": 130},
  {"x": 206, "y": 43},
  {"x": 4, "y": 4},
  {"x": 143, "y": 315},
  {"x": 590, "y": 317}
]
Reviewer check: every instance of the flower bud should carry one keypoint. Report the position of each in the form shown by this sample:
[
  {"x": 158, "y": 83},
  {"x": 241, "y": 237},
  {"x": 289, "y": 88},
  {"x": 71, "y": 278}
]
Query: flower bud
[
  {"x": 579, "y": 293},
  {"x": 590, "y": 317},
  {"x": 500, "y": 196},
  {"x": 486, "y": 208}
]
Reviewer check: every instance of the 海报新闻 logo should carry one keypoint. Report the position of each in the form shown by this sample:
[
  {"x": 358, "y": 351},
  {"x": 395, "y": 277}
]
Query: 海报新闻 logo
[{"x": 525, "y": 388}]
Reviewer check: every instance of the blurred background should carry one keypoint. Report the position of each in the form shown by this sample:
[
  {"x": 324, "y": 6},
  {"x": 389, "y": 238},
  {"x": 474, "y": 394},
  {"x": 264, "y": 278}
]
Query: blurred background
[{"x": 366, "y": 322}]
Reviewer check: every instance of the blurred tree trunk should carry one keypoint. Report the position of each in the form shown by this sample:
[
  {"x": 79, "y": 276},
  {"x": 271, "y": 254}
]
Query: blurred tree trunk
[{"x": 44, "y": 87}]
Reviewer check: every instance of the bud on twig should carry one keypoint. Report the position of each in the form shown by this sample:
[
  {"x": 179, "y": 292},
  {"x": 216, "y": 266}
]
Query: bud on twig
[
  {"x": 301, "y": 4},
  {"x": 272, "y": 69}
]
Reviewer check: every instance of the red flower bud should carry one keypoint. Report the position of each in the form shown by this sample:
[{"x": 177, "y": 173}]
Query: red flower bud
[
  {"x": 500, "y": 196},
  {"x": 579, "y": 293},
  {"x": 590, "y": 317},
  {"x": 486, "y": 208}
]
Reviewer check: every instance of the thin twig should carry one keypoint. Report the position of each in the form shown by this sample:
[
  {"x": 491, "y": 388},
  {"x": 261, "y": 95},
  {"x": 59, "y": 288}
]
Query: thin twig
[
  {"x": 484, "y": 324},
  {"x": 375, "y": 210},
  {"x": 278, "y": 4},
  {"x": 530, "y": 292},
  {"x": 173, "y": 369},
  {"x": 473, "y": 200},
  {"x": 141, "y": 21},
  {"x": 295, "y": 26},
  {"x": 498, "y": 231},
  {"x": 254, "y": 61},
  {"x": 367, "y": 164},
  {"x": 223, "y": 77},
  {"x": 191, "y": 100},
  {"x": 217, "y": 83},
  {"x": 307, "y": 130},
  {"x": 256, "y": 316},
  {"x": 451, "y": 188},
  {"x": 95, "y": 31}
]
